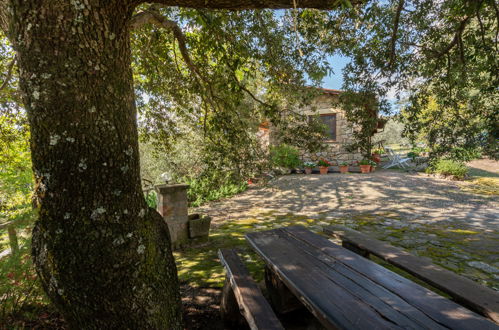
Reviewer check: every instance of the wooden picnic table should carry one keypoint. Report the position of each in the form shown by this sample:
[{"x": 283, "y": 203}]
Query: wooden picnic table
[{"x": 346, "y": 291}]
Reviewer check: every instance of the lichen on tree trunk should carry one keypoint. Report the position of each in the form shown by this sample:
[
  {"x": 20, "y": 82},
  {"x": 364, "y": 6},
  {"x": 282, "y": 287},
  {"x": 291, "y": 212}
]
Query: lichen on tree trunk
[{"x": 102, "y": 255}]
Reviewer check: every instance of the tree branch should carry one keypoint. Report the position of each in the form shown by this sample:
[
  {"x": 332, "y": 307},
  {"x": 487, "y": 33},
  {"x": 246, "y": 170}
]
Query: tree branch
[
  {"x": 393, "y": 40},
  {"x": 456, "y": 39},
  {"x": 153, "y": 17},
  {"x": 255, "y": 4},
  {"x": 9, "y": 74}
]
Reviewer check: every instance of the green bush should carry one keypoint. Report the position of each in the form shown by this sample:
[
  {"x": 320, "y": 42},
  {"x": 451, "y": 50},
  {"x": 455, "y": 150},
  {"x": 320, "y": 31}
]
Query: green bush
[
  {"x": 449, "y": 167},
  {"x": 285, "y": 156},
  {"x": 464, "y": 154},
  {"x": 212, "y": 187}
]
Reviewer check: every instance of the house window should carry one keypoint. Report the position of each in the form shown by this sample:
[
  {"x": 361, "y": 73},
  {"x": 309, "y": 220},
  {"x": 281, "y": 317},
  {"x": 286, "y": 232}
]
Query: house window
[{"x": 329, "y": 120}]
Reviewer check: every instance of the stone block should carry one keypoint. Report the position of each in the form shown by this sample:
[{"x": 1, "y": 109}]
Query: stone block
[{"x": 199, "y": 226}]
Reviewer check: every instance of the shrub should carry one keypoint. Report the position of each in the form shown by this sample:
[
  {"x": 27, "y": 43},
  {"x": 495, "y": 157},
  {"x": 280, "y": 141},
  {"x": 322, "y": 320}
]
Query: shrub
[
  {"x": 285, "y": 156},
  {"x": 212, "y": 187},
  {"x": 449, "y": 167},
  {"x": 463, "y": 154}
]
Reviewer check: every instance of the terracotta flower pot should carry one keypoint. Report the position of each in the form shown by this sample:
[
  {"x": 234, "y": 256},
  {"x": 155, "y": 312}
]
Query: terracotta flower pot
[
  {"x": 373, "y": 168},
  {"x": 365, "y": 168},
  {"x": 308, "y": 170},
  {"x": 323, "y": 169},
  {"x": 344, "y": 169},
  {"x": 376, "y": 158}
]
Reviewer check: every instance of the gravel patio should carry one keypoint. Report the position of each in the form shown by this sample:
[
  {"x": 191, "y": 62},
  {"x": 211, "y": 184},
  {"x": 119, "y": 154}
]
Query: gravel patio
[{"x": 430, "y": 217}]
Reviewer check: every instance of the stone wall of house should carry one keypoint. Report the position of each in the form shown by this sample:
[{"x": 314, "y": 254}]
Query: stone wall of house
[{"x": 334, "y": 150}]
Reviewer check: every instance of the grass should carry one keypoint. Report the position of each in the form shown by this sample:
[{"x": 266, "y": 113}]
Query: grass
[
  {"x": 482, "y": 186},
  {"x": 199, "y": 265}
]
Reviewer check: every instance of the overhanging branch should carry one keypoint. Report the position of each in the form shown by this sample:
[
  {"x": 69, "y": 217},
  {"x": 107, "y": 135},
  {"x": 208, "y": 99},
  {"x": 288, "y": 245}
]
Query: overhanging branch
[
  {"x": 153, "y": 17},
  {"x": 256, "y": 4},
  {"x": 393, "y": 40},
  {"x": 457, "y": 37}
]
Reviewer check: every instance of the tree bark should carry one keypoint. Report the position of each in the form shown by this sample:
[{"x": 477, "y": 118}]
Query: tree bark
[{"x": 102, "y": 255}]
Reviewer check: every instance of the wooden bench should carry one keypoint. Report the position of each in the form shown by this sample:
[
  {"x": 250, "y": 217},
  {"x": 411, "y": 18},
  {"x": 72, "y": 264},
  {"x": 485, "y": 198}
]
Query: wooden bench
[
  {"x": 346, "y": 291},
  {"x": 468, "y": 293},
  {"x": 242, "y": 297}
]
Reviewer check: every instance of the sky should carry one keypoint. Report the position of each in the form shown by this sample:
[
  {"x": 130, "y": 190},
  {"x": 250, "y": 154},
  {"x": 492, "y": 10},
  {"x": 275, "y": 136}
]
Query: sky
[{"x": 335, "y": 80}]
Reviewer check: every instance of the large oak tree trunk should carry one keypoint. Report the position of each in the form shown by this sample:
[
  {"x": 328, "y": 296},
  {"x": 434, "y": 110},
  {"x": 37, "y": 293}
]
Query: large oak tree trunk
[{"x": 102, "y": 255}]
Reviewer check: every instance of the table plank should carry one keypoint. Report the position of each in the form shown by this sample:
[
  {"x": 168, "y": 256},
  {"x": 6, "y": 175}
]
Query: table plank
[{"x": 316, "y": 269}]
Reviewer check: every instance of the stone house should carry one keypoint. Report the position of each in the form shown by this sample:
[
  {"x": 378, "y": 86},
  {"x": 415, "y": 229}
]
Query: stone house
[{"x": 338, "y": 131}]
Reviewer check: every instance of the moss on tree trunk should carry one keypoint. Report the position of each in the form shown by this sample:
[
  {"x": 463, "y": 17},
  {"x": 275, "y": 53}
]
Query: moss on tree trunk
[{"x": 102, "y": 255}]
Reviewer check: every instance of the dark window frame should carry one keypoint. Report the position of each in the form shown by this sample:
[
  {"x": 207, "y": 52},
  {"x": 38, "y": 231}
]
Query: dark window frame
[{"x": 332, "y": 131}]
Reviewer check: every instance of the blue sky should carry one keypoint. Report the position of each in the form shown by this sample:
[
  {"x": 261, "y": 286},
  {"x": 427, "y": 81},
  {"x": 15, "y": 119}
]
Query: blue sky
[{"x": 335, "y": 80}]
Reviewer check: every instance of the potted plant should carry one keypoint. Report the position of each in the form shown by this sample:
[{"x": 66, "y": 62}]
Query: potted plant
[
  {"x": 323, "y": 165},
  {"x": 365, "y": 165},
  {"x": 344, "y": 167},
  {"x": 376, "y": 156},
  {"x": 373, "y": 165},
  {"x": 308, "y": 167}
]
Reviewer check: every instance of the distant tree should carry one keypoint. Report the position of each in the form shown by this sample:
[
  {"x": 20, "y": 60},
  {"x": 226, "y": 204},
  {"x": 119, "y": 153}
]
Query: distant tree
[{"x": 392, "y": 133}]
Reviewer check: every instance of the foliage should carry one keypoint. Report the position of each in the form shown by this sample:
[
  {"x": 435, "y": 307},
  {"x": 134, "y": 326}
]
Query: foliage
[
  {"x": 209, "y": 188},
  {"x": 323, "y": 163},
  {"x": 344, "y": 163},
  {"x": 15, "y": 167},
  {"x": 413, "y": 155},
  {"x": 449, "y": 167},
  {"x": 415, "y": 152},
  {"x": 285, "y": 156},
  {"x": 367, "y": 162},
  {"x": 309, "y": 164},
  {"x": 304, "y": 132},
  {"x": 207, "y": 95},
  {"x": 455, "y": 131},
  {"x": 151, "y": 199},
  {"x": 463, "y": 154},
  {"x": 392, "y": 133},
  {"x": 361, "y": 112},
  {"x": 20, "y": 290}
]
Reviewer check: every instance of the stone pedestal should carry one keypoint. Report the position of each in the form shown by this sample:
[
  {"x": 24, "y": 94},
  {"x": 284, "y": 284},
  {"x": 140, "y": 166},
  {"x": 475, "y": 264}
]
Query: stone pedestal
[{"x": 172, "y": 205}]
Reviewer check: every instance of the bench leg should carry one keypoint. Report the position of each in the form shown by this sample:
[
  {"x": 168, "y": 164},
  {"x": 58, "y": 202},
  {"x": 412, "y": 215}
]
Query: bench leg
[
  {"x": 281, "y": 299},
  {"x": 354, "y": 248},
  {"x": 229, "y": 309}
]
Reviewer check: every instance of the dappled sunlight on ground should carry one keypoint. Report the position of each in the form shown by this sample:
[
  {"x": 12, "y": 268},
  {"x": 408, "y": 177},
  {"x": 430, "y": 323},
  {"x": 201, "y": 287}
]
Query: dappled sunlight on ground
[{"x": 429, "y": 217}]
